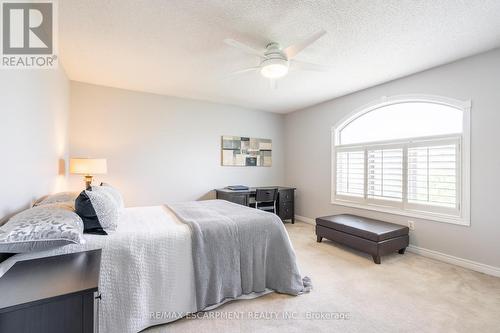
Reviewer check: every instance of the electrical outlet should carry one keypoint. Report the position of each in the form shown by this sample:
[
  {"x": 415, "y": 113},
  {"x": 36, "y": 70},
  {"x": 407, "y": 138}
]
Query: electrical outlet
[{"x": 411, "y": 225}]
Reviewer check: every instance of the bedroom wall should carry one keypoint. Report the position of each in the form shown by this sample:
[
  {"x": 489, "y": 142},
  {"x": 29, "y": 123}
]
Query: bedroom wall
[
  {"x": 165, "y": 149},
  {"x": 477, "y": 78},
  {"x": 33, "y": 135}
]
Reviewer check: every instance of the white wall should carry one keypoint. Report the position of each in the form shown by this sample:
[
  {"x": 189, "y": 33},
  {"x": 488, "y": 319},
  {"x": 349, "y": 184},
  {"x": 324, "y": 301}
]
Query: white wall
[
  {"x": 33, "y": 135},
  {"x": 307, "y": 134},
  {"x": 164, "y": 149}
]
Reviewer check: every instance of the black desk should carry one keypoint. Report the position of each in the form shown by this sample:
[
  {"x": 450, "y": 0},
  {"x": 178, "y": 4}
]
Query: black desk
[
  {"x": 285, "y": 204},
  {"x": 51, "y": 295}
]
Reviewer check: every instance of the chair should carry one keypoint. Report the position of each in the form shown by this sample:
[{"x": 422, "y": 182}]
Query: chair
[{"x": 265, "y": 199}]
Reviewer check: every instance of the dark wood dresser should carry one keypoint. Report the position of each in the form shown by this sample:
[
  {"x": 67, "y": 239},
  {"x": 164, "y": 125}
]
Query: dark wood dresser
[
  {"x": 57, "y": 294},
  {"x": 285, "y": 204}
]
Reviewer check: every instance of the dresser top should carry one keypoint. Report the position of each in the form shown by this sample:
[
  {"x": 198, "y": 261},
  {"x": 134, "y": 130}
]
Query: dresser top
[{"x": 43, "y": 278}]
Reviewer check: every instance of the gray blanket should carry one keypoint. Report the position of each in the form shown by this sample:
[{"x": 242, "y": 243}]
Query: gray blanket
[{"x": 237, "y": 251}]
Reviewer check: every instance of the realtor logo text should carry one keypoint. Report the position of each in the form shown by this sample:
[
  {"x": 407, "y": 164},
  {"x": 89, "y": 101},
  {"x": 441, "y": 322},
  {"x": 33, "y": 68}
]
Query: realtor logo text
[{"x": 28, "y": 31}]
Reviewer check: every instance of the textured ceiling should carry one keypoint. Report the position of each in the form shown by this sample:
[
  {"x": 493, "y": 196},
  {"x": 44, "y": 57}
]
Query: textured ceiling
[{"x": 176, "y": 47}]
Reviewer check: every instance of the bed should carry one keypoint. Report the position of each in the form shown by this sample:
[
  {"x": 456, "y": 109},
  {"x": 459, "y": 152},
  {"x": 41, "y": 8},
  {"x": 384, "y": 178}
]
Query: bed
[{"x": 148, "y": 276}]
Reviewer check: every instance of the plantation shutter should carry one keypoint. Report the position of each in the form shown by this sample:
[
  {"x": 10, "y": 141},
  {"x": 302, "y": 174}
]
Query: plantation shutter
[
  {"x": 385, "y": 174},
  {"x": 433, "y": 175},
  {"x": 350, "y": 178}
]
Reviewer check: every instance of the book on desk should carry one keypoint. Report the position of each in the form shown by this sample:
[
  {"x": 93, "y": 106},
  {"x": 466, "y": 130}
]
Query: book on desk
[
  {"x": 238, "y": 187},
  {"x": 285, "y": 202}
]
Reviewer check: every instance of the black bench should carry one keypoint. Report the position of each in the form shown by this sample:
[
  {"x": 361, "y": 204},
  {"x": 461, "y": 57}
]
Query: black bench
[{"x": 367, "y": 235}]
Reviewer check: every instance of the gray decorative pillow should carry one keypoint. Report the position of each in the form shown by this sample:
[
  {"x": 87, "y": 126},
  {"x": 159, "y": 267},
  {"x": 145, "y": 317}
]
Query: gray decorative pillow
[
  {"x": 105, "y": 207},
  {"x": 61, "y": 197},
  {"x": 41, "y": 228},
  {"x": 113, "y": 192}
]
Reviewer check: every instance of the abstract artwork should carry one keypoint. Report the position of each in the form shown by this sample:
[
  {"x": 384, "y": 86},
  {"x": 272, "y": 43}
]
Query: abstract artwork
[{"x": 243, "y": 151}]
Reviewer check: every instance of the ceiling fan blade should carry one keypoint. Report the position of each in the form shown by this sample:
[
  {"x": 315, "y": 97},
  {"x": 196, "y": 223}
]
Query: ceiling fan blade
[
  {"x": 245, "y": 70},
  {"x": 292, "y": 50},
  {"x": 307, "y": 66},
  {"x": 243, "y": 47}
]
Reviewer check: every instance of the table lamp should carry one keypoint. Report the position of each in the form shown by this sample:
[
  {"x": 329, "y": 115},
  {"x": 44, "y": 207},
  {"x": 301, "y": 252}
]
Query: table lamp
[{"x": 88, "y": 167}]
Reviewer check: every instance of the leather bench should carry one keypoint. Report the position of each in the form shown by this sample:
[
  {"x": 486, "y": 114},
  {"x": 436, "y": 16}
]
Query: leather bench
[{"x": 364, "y": 234}]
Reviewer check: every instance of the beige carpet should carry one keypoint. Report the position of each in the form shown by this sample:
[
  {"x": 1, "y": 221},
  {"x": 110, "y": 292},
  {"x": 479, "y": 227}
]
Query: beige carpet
[{"x": 406, "y": 293}]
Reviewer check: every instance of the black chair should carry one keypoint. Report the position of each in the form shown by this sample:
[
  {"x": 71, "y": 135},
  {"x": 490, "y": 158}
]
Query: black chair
[{"x": 265, "y": 199}]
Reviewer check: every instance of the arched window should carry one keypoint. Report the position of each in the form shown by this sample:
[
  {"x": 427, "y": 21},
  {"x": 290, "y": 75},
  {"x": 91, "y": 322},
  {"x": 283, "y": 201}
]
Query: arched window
[{"x": 406, "y": 155}]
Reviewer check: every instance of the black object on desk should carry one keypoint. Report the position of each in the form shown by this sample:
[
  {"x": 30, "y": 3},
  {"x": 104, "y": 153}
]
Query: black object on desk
[
  {"x": 285, "y": 201},
  {"x": 57, "y": 294}
]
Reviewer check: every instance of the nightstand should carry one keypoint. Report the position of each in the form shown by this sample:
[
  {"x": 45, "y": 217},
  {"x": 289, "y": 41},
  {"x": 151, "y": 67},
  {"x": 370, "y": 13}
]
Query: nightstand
[{"x": 57, "y": 294}]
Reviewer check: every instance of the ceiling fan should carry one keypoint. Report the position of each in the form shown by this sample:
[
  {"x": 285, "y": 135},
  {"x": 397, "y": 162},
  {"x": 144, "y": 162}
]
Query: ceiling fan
[{"x": 275, "y": 60}]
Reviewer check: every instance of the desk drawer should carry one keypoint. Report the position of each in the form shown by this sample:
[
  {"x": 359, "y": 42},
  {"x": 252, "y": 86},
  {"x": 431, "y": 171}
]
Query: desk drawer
[
  {"x": 285, "y": 210},
  {"x": 286, "y": 195},
  {"x": 240, "y": 199},
  {"x": 237, "y": 198}
]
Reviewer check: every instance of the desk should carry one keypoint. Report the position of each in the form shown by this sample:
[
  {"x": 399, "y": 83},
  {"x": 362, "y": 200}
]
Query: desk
[{"x": 285, "y": 203}]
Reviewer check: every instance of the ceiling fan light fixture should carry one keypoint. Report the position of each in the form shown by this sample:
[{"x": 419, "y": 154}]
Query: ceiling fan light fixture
[{"x": 274, "y": 68}]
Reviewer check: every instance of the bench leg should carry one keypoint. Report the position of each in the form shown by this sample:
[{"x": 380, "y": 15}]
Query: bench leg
[
  {"x": 319, "y": 239},
  {"x": 376, "y": 259},
  {"x": 402, "y": 251}
]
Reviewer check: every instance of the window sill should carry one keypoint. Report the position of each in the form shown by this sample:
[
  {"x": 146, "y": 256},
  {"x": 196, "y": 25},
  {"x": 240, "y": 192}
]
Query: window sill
[{"x": 408, "y": 213}]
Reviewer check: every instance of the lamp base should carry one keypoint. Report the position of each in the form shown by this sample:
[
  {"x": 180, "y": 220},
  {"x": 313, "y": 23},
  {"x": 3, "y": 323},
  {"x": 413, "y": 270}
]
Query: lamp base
[{"x": 88, "y": 181}]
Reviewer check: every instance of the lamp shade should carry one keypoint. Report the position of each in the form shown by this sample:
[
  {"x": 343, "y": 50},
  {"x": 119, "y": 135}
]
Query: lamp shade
[{"x": 88, "y": 166}]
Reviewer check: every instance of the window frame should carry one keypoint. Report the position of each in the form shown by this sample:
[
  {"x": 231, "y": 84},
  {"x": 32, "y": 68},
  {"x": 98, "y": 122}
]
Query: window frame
[{"x": 409, "y": 209}]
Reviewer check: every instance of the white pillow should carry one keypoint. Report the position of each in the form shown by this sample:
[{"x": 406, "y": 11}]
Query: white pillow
[
  {"x": 68, "y": 198},
  {"x": 98, "y": 210},
  {"x": 115, "y": 194}
]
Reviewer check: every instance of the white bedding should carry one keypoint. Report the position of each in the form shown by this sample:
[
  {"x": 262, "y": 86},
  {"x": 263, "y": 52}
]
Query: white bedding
[{"x": 147, "y": 273}]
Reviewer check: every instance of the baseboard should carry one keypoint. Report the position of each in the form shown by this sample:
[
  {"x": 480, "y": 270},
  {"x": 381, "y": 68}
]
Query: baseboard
[
  {"x": 305, "y": 219},
  {"x": 465, "y": 263},
  {"x": 473, "y": 265}
]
